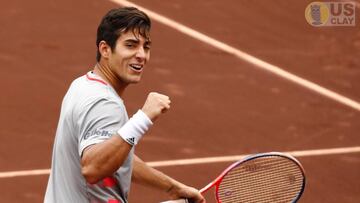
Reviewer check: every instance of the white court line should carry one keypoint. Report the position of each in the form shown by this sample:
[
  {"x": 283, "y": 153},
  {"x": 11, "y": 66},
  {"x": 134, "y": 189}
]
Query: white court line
[
  {"x": 316, "y": 152},
  {"x": 13, "y": 174},
  {"x": 246, "y": 57},
  {"x": 205, "y": 160}
]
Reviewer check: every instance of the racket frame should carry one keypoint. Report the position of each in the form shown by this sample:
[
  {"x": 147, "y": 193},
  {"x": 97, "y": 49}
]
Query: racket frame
[{"x": 218, "y": 180}]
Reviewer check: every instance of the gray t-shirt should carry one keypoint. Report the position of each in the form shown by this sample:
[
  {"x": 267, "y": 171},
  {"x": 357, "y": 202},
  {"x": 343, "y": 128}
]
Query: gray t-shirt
[{"x": 91, "y": 113}]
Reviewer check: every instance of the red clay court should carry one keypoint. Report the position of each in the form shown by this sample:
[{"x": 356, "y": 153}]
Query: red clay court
[{"x": 223, "y": 102}]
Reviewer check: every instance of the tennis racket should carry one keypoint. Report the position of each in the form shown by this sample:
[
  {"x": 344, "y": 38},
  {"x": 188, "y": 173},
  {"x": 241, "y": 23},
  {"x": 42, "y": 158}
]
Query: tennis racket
[{"x": 261, "y": 178}]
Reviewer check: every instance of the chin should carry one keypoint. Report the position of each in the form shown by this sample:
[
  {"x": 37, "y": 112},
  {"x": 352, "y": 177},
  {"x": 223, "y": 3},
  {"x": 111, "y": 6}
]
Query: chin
[{"x": 134, "y": 80}]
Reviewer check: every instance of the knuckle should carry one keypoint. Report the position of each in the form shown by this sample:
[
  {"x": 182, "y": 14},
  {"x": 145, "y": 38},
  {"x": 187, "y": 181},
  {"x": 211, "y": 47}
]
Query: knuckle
[{"x": 152, "y": 94}]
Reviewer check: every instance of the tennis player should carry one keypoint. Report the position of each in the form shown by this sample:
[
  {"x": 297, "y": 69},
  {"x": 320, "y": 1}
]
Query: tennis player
[{"x": 93, "y": 156}]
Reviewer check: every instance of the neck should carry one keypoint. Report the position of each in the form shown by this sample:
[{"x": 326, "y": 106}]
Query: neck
[{"x": 107, "y": 74}]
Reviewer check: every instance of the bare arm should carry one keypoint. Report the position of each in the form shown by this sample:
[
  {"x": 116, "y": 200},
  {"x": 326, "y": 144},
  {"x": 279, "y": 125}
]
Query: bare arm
[
  {"x": 103, "y": 159},
  {"x": 146, "y": 175}
]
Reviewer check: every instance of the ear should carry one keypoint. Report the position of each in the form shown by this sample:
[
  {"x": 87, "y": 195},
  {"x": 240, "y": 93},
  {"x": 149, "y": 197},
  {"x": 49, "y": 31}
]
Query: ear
[{"x": 104, "y": 49}]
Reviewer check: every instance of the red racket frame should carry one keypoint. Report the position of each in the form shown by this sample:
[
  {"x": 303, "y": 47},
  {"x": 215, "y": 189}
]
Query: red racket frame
[{"x": 218, "y": 180}]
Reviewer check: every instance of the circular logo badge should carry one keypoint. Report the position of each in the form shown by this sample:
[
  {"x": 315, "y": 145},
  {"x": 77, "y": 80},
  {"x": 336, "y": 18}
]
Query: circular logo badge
[{"x": 317, "y": 13}]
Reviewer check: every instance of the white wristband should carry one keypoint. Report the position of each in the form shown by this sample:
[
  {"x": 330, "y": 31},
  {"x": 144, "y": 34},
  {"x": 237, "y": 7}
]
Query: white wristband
[{"x": 135, "y": 128}]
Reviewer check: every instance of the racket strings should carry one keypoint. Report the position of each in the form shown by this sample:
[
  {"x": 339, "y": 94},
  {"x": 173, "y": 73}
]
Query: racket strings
[
  {"x": 257, "y": 196},
  {"x": 275, "y": 179},
  {"x": 261, "y": 188},
  {"x": 264, "y": 179},
  {"x": 263, "y": 193},
  {"x": 256, "y": 180},
  {"x": 281, "y": 169}
]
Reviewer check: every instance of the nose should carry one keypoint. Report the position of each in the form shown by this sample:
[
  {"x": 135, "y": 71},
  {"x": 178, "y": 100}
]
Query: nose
[{"x": 140, "y": 54}]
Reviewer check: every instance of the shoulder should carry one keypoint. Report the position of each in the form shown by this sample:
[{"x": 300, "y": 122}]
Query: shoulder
[
  {"x": 89, "y": 84},
  {"x": 90, "y": 91}
]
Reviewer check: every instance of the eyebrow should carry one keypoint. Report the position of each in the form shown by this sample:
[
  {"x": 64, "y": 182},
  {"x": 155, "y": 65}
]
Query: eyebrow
[{"x": 136, "y": 41}]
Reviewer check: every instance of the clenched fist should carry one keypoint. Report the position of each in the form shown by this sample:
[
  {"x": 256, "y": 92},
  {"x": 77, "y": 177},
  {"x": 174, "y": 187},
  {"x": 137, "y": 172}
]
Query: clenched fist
[{"x": 155, "y": 105}]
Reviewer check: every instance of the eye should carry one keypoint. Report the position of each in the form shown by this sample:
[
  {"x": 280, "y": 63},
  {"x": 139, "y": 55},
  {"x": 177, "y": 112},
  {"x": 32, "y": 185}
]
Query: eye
[
  {"x": 129, "y": 45},
  {"x": 147, "y": 47}
]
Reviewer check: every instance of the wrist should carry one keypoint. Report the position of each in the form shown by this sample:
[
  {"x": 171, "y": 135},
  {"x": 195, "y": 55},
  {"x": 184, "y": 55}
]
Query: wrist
[
  {"x": 148, "y": 113},
  {"x": 135, "y": 128},
  {"x": 173, "y": 189}
]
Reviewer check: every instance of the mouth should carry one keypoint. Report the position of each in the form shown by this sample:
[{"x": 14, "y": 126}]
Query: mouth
[{"x": 136, "y": 67}]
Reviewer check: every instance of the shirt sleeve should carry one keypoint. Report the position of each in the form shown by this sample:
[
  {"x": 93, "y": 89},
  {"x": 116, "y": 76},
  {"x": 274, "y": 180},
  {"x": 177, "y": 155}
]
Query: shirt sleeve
[{"x": 98, "y": 121}]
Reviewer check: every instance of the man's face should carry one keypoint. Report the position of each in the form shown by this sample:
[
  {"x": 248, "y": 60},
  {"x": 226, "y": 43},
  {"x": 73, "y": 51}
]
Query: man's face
[{"x": 131, "y": 53}]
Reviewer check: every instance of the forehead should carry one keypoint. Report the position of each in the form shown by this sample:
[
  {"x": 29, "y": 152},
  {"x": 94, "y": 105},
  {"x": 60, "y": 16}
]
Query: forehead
[{"x": 134, "y": 35}]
